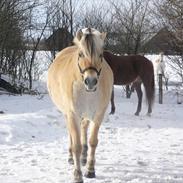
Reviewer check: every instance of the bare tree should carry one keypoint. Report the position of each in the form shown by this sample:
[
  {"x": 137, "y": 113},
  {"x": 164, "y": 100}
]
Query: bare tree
[
  {"x": 13, "y": 16},
  {"x": 131, "y": 27},
  {"x": 132, "y": 24},
  {"x": 36, "y": 41},
  {"x": 99, "y": 16},
  {"x": 170, "y": 15},
  {"x": 10, "y": 35}
]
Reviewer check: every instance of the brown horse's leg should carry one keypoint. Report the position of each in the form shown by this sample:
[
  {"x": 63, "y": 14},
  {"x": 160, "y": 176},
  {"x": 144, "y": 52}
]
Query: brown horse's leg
[
  {"x": 84, "y": 128},
  {"x": 149, "y": 110},
  {"x": 149, "y": 100},
  {"x": 128, "y": 91},
  {"x": 112, "y": 102},
  {"x": 139, "y": 95},
  {"x": 74, "y": 130}
]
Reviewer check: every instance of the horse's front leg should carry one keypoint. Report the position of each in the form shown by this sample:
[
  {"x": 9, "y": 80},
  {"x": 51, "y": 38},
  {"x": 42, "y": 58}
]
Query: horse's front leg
[
  {"x": 70, "y": 160},
  {"x": 74, "y": 130},
  {"x": 93, "y": 141},
  {"x": 84, "y": 128}
]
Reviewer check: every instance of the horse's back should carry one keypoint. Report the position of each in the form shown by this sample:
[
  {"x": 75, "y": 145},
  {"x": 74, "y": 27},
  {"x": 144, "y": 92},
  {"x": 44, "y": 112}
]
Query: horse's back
[
  {"x": 60, "y": 64},
  {"x": 143, "y": 66},
  {"x": 60, "y": 77},
  {"x": 127, "y": 68},
  {"x": 122, "y": 67},
  {"x": 65, "y": 52}
]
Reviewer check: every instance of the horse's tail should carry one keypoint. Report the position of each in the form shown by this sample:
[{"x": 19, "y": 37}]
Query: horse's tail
[
  {"x": 151, "y": 96},
  {"x": 149, "y": 85}
]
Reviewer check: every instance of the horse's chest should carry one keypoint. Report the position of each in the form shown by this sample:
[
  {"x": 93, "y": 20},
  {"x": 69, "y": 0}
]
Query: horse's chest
[{"x": 85, "y": 103}]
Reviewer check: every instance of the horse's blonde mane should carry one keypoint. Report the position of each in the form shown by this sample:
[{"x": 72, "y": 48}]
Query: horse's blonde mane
[{"x": 90, "y": 41}]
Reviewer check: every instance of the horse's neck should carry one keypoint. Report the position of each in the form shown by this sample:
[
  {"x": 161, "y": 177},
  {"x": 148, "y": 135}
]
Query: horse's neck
[{"x": 75, "y": 68}]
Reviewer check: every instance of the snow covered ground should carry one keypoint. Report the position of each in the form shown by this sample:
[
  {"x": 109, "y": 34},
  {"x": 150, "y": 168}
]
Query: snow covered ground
[{"x": 34, "y": 142}]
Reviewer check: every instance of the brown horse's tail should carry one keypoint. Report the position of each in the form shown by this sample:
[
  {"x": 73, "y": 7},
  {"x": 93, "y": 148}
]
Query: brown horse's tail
[
  {"x": 149, "y": 85},
  {"x": 152, "y": 93}
]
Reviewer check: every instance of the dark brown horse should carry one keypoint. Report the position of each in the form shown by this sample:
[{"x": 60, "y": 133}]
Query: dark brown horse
[{"x": 136, "y": 69}]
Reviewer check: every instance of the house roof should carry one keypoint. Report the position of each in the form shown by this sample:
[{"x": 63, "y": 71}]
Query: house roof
[
  {"x": 160, "y": 42},
  {"x": 60, "y": 39}
]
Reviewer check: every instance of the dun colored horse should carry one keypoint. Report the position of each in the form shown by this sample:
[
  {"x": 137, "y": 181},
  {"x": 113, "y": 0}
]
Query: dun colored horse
[
  {"x": 136, "y": 69},
  {"x": 80, "y": 84}
]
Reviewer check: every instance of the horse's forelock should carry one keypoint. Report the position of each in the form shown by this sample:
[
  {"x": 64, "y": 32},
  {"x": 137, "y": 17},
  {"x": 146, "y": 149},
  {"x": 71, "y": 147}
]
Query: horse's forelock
[
  {"x": 90, "y": 45},
  {"x": 94, "y": 45},
  {"x": 90, "y": 42}
]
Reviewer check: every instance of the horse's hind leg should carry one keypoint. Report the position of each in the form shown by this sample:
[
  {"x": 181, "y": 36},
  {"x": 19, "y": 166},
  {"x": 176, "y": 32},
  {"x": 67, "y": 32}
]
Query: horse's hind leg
[
  {"x": 84, "y": 128},
  {"x": 139, "y": 95},
  {"x": 74, "y": 129},
  {"x": 149, "y": 108},
  {"x": 70, "y": 159}
]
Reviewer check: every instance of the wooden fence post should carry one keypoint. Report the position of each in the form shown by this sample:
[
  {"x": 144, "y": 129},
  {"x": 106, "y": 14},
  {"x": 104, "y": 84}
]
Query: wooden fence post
[{"x": 160, "y": 89}]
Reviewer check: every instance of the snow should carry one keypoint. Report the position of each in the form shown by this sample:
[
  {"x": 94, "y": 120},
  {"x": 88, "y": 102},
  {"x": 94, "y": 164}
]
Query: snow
[{"x": 135, "y": 149}]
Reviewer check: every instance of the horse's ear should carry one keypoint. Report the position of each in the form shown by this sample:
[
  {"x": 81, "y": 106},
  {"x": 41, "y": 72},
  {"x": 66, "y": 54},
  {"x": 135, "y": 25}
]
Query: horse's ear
[
  {"x": 103, "y": 35},
  {"x": 79, "y": 34}
]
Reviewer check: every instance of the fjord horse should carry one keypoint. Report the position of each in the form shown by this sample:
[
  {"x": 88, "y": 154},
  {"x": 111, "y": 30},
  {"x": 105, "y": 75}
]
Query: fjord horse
[
  {"x": 136, "y": 69},
  {"x": 80, "y": 84}
]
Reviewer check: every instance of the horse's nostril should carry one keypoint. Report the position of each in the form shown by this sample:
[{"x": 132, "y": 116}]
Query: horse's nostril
[
  {"x": 86, "y": 81},
  {"x": 94, "y": 82},
  {"x": 90, "y": 81}
]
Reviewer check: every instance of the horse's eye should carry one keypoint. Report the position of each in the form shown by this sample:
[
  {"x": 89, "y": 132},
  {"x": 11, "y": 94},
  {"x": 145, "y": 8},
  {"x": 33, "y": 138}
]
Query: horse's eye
[{"x": 81, "y": 54}]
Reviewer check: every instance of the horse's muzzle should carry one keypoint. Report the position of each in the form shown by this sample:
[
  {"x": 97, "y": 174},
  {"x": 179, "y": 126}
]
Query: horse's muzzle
[{"x": 90, "y": 84}]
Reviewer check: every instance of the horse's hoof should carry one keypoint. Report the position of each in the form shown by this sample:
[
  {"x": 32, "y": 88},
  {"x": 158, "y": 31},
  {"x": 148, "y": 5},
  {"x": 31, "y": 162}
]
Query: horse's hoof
[
  {"x": 83, "y": 162},
  {"x": 136, "y": 114},
  {"x": 90, "y": 175},
  {"x": 71, "y": 161},
  {"x": 78, "y": 176},
  {"x": 148, "y": 114},
  {"x": 112, "y": 112}
]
